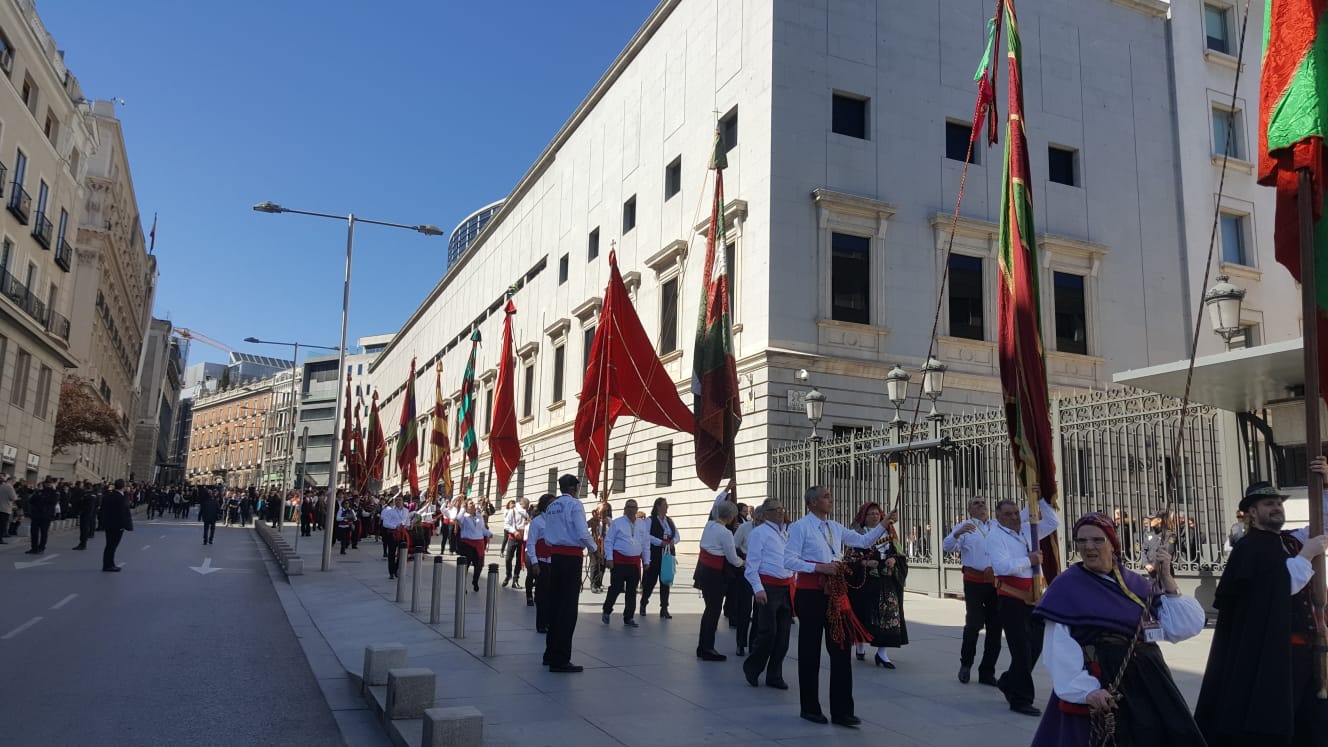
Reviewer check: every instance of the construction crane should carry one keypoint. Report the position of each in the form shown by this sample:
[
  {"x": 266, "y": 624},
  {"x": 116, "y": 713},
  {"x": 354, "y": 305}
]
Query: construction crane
[{"x": 188, "y": 334}]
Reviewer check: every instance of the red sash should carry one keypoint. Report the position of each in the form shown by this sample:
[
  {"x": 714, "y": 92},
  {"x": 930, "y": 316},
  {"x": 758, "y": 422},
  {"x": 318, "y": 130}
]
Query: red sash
[
  {"x": 1015, "y": 588},
  {"x": 541, "y": 549},
  {"x": 979, "y": 576},
  {"x": 569, "y": 550},
  {"x": 627, "y": 560},
  {"x": 478, "y": 544},
  {"x": 710, "y": 560},
  {"x": 774, "y": 581}
]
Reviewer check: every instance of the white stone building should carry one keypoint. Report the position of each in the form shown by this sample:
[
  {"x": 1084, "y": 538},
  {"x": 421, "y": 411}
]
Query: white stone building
[
  {"x": 843, "y": 122},
  {"x": 45, "y": 143}
]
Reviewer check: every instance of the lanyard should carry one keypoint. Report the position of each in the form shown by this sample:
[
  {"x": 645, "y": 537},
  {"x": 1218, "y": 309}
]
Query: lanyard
[
  {"x": 830, "y": 540},
  {"x": 1126, "y": 590}
]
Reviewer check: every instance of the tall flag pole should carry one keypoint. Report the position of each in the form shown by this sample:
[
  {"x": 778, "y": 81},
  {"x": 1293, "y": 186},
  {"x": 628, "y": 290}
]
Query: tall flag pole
[
  {"x": 375, "y": 448},
  {"x": 440, "y": 473},
  {"x": 470, "y": 441},
  {"x": 1022, "y": 361},
  {"x": 1293, "y": 125},
  {"x": 624, "y": 377},
  {"x": 717, "y": 408},
  {"x": 504, "y": 443},
  {"x": 408, "y": 445}
]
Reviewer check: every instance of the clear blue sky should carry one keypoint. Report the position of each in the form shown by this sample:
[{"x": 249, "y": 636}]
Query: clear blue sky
[{"x": 411, "y": 112}]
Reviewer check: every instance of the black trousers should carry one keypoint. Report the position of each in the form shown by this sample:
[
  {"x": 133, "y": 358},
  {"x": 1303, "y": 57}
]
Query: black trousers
[
  {"x": 473, "y": 557},
  {"x": 4, "y": 526},
  {"x": 393, "y": 545},
  {"x": 112, "y": 541},
  {"x": 209, "y": 531},
  {"x": 516, "y": 556},
  {"x": 739, "y": 604},
  {"x": 980, "y": 613},
  {"x": 770, "y": 640},
  {"x": 623, "y": 579},
  {"x": 37, "y": 531},
  {"x": 650, "y": 578},
  {"x": 87, "y": 525},
  {"x": 711, "y": 583},
  {"x": 1024, "y": 638},
  {"x": 537, "y": 588},
  {"x": 562, "y": 596},
  {"x": 811, "y": 606}
]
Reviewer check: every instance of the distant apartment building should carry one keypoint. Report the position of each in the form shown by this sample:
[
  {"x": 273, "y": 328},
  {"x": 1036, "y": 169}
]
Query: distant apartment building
[
  {"x": 228, "y": 427},
  {"x": 160, "y": 379}
]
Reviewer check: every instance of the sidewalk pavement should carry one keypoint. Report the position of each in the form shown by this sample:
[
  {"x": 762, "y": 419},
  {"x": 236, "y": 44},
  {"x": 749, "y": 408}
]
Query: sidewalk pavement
[{"x": 642, "y": 686}]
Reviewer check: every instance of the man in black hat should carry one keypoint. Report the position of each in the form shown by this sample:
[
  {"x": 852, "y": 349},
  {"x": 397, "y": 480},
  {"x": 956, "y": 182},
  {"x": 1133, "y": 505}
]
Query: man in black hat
[
  {"x": 115, "y": 521},
  {"x": 1260, "y": 684},
  {"x": 567, "y": 536}
]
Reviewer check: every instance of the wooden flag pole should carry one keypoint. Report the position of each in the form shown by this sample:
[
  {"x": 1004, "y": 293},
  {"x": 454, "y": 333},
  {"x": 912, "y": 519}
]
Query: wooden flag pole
[
  {"x": 1313, "y": 442},
  {"x": 1035, "y": 518}
]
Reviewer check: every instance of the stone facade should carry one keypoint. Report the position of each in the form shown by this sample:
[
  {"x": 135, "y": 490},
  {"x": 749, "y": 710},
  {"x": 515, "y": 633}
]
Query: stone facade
[{"x": 226, "y": 445}]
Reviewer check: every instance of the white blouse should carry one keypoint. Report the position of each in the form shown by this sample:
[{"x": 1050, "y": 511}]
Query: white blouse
[
  {"x": 716, "y": 539},
  {"x": 1180, "y": 617}
]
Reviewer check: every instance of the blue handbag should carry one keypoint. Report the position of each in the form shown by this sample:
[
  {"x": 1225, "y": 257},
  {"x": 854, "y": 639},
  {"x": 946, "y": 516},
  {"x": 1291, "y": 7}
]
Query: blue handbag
[{"x": 668, "y": 567}]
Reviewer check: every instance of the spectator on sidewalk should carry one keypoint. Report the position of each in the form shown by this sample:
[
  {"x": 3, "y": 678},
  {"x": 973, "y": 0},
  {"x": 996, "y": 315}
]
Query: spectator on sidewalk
[
  {"x": 115, "y": 521},
  {"x": 41, "y": 510},
  {"x": 85, "y": 506},
  {"x": 7, "y": 500}
]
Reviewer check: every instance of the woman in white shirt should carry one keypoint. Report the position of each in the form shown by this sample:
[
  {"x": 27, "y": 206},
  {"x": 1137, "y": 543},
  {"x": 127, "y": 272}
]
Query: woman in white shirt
[
  {"x": 1102, "y": 618},
  {"x": 663, "y": 539},
  {"x": 717, "y": 553}
]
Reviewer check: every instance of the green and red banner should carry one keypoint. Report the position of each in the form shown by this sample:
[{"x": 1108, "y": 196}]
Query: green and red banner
[
  {"x": 440, "y": 454},
  {"x": 717, "y": 409},
  {"x": 504, "y": 444},
  {"x": 1022, "y": 361},
  {"x": 1293, "y": 118},
  {"x": 470, "y": 440},
  {"x": 408, "y": 442}
]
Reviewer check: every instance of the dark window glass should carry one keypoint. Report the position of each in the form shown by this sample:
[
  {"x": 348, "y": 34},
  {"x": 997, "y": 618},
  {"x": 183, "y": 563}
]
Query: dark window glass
[
  {"x": 663, "y": 464},
  {"x": 1071, "y": 315},
  {"x": 562, "y": 269},
  {"x": 1233, "y": 240},
  {"x": 849, "y": 116},
  {"x": 559, "y": 358},
  {"x": 728, "y": 130},
  {"x": 956, "y": 141},
  {"x": 850, "y": 284},
  {"x": 731, "y": 267},
  {"x": 1060, "y": 165},
  {"x": 589, "y": 337},
  {"x": 488, "y": 410},
  {"x": 966, "y": 308},
  {"x": 592, "y": 245},
  {"x": 629, "y": 214},
  {"x": 619, "y": 472},
  {"x": 1217, "y": 29},
  {"x": 528, "y": 392},
  {"x": 673, "y": 178},
  {"x": 668, "y": 317}
]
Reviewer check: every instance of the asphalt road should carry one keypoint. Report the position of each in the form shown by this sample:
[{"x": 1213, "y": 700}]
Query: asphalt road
[{"x": 156, "y": 654}]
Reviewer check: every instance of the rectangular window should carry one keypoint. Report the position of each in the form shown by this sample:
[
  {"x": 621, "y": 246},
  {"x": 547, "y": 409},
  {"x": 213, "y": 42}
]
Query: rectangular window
[
  {"x": 1217, "y": 28},
  {"x": 584, "y": 488},
  {"x": 673, "y": 178},
  {"x": 488, "y": 409},
  {"x": 1246, "y": 337},
  {"x": 528, "y": 390},
  {"x": 1233, "y": 240},
  {"x": 1071, "y": 313},
  {"x": 663, "y": 464},
  {"x": 64, "y": 224},
  {"x": 1227, "y": 133},
  {"x": 28, "y": 93},
  {"x": 966, "y": 302},
  {"x": 519, "y": 479},
  {"x": 4, "y": 352},
  {"x": 553, "y": 481},
  {"x": 588, "y": 337},
  {"x": 559, "y": 358},
  {"x": 850, "y": 284},
  {"x": 629, "y": 214},
  {"x": 18, "y": 393},
  {"x": 668, "y": 317},
  {"x": 20, "y": 167},
  {"x": 1061, "y": 165},
  {"x": 7, "y": 253},
  {"x": 619, "y": 483},
  {"x": 43, "y": 192},
  {"x": 848, "y": 115},
  {"x": 728, "y": 130},
  {"x": 957, "y": 137},
  {"x": 731, "y": 267},
  {"x": 592, "y": 245},
  {"x": 52, "y": 128},
  {"x": 562, "y": 269}
]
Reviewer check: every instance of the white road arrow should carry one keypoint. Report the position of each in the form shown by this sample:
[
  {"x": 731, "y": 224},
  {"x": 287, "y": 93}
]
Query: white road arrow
[
  {"x": 43, "y": 560},
  {"x": 206, "y": 568}
]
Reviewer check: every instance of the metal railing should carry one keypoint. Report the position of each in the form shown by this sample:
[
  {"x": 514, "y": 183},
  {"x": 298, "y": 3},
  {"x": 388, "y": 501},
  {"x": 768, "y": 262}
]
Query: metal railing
[
  {"x": 58, "y": 326},
  {"x": 64, "y": 255},
  {"x": 34, "y": 307},
  {"x": 42, "y": 230},
  {"x": 20, "y": 203}
]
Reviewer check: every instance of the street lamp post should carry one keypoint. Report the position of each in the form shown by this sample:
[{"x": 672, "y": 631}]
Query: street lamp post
[
  {"x": 424, "y": 228},
  {"x": 1223, "y": 301}
]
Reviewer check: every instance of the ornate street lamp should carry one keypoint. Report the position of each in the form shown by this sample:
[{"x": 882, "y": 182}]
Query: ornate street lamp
[
  {"x": 1223, "y": 301},
  {"x": 896, "y": 390},
  {"x": 815, "y": 410},
  {"x": 933, "y": 384}
]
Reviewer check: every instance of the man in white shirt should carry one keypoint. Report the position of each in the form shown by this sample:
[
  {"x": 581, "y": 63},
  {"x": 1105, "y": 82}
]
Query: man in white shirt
[
  {"x": 969, "y": 539},
  {"x": 474, "y": 538},
  {"x": 813, "y": 551},
  {"x": 624, "y": 552},
  {"x": 1013, "y": 563},
  {"x": 516, "y": 541},
  {"x": 568, "y": 537},
  {"x": 770, "y": 582},
  {"x": 396, "y": 520}
]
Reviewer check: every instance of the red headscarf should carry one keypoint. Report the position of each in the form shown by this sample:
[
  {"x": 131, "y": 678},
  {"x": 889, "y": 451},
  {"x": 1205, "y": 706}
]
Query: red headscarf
[
  {"x": 861, "y": 519},
  {"x": 1103, "y": 522}
]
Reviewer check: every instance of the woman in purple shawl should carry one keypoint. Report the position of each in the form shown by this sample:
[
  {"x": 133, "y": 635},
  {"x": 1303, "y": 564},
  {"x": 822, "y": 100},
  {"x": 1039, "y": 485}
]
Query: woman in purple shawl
[{"x": 1093, "y": 612}]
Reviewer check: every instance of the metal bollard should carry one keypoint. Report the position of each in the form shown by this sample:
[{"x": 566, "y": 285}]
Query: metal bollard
[
  {"x": 436, "y": 603},
  {"x": 459, "y": 613},
  {"x": 402, "y": 560},
  {"x": 417, "y": 583},
  {"x": 491, "y": 614}
]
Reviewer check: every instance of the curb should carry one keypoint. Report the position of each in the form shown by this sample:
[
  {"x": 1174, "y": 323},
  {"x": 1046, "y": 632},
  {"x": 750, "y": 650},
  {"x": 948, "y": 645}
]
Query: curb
[{"x": 291, "y": 563}]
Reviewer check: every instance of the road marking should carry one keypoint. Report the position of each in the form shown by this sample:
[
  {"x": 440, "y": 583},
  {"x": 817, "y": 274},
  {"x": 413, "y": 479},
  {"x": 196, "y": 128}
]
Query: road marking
[
  {"x": 20, "y": 629},
  {"x": 146, "y": 546},
  {"x": 63, "y": 602},
  {"x": 43, "y": 560},
  {"x": 206, "y": 568},
  {"x": 162, "y": 537}
]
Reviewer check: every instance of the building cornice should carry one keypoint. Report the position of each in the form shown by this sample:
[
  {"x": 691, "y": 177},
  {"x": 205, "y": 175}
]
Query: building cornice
[{"x": 1154, "y": 8}]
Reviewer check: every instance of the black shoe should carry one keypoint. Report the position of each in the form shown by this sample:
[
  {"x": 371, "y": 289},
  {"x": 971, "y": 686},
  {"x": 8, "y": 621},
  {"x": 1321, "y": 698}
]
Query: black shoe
[
  {"x": 1026, "y": 709},
  {"x": 861, "y": 655},
  {"x": 664, "y": 613},
  {"x": 604, "y": 618},
  {"x": 80, "y": 547},
  {"x": 988, "y": 679},
  {"x": 815, "y": 718},
  {"x": 643, "y": 609},
  {"x": 742, "y": 651},
  {"x": 777, "y": 684},
  {"x": 711, "y": 656},
  {"x": 530, "y": 602},
  {"x": 883, "y": 663},
  {"x": 505, "y": 582},
  {"x": 753, "y": 679},
  {"x": 850, "y": 721},
  {"x": 476, "y": 586},
  {"x": 33, "y": 551},
  {"x": 566, "y": 668},
  {"x": 110, "y": 570},
  {"x": 963, "y": 675},
  {"x": 631, "y": 623},
  {"x": 541, "y": 630}
]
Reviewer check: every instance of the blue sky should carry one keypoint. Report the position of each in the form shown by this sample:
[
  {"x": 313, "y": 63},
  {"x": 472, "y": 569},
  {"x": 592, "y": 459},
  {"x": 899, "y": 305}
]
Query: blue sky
[{"x": 410, "y": 112}]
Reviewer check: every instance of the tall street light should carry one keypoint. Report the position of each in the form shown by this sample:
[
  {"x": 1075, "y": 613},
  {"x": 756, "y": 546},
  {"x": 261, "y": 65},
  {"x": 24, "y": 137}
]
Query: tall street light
[
  {"x": 425, "y": 228},
  {"x": 289, "y": 467}
]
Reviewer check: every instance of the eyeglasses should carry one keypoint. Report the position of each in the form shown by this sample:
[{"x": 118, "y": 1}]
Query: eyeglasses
[{"x": 1090, "y": 541}]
